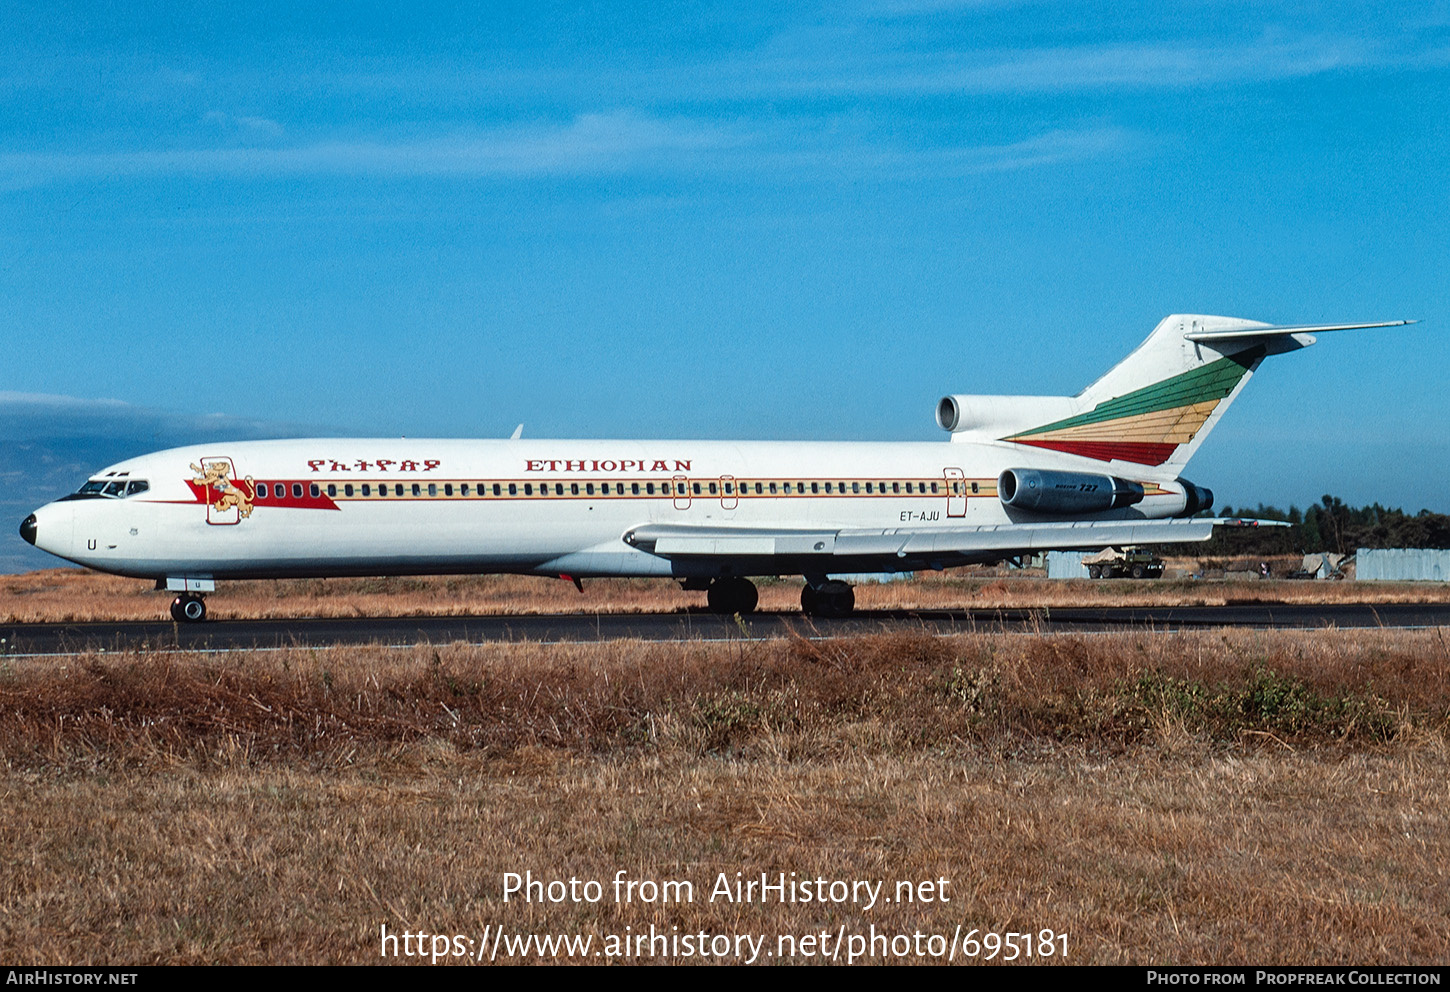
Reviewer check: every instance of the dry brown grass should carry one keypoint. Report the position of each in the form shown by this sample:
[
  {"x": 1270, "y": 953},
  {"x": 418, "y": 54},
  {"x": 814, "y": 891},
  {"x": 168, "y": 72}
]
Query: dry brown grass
[
  {"x": 1196, "y": 797},
  {"x": 76, "y": 595}
]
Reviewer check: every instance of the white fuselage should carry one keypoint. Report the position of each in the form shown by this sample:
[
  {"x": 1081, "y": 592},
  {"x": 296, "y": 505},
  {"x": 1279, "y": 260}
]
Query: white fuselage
[{"x": 388, "y": 507}]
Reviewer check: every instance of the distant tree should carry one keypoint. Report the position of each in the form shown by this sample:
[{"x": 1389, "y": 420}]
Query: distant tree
[{"x": 1328, "y": 525}]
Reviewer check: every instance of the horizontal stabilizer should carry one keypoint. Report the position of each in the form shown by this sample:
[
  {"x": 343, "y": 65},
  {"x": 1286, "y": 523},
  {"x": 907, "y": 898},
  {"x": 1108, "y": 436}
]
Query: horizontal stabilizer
[{"x": 1271, "y": 331}]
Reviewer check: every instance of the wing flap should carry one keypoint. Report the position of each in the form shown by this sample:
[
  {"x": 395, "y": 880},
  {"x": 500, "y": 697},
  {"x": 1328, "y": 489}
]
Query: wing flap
[{"x": 686, "y": 541}]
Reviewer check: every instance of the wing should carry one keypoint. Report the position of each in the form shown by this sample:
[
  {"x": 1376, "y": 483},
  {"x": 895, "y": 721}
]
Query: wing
[{"x": 791, "y": 550}]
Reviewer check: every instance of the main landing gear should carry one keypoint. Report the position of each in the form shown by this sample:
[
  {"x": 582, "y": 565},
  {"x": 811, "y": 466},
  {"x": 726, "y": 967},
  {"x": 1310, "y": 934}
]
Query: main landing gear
[
  {"x": 829, "y": 599},
  {"x": 825, "y": 598},
  {"x": 188, "y": 608},
  {"x": 731, "y": 595}
]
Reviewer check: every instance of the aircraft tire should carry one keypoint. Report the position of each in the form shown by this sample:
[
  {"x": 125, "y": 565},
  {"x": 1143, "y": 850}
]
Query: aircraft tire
[
  {"x": 188, "y": 609},
  {"x": 833, "y": 600},
  {"x": 732, "y": 595}
]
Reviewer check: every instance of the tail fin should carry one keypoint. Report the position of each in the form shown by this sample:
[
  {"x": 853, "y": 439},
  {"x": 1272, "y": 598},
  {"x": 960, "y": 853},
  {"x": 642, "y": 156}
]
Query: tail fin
[{"x": 1155, "y": 407}]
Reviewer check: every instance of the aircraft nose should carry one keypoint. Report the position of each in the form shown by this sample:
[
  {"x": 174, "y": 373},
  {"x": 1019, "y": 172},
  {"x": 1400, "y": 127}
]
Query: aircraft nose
[{"x": 27, "y": 528}]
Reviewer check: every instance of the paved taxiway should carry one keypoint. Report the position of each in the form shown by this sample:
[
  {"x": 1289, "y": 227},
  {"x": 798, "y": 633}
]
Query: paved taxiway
[{"x": 22, "y": 639}]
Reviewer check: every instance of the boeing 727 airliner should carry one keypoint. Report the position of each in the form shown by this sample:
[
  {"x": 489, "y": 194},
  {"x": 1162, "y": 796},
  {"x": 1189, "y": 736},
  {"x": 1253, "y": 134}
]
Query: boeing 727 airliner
[{"x": 1021, "y": 474}]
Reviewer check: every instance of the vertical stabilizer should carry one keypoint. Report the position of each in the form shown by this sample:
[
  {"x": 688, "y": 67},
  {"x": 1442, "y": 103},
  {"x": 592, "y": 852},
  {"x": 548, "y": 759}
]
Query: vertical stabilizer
[{"x": 1155, "y": 407}]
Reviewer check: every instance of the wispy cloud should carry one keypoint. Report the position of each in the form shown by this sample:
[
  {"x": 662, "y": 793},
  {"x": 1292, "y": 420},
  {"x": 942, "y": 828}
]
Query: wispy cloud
[
  {"x": 866, "y": 58},
  {"x": 839, "y": 62},
  {"x": 594, "y": 144},
  {"x": 246, "y": 124},
  {"x": 887, "y": 162},
  {"x": 590, "y": 143}
]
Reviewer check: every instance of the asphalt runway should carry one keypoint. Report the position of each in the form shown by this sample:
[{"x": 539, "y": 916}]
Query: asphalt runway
[{"x": 233, "y": 635}]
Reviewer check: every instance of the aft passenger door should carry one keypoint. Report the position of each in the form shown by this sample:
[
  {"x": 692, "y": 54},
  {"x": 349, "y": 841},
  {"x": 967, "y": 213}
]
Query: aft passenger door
[{"x": 956, "y": 492}]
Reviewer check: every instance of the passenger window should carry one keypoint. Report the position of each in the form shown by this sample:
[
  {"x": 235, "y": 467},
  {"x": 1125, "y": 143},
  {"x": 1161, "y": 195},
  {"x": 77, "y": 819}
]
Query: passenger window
[
  {"x": 261, "y": 490},
  {"x": 573, "y": 489},
  {"x": 933, "y": 487},
  {"x": 432, "y": 489},
  {"x": 589, "y": 488},
  {"x": 418, "y": 490},
  {"x": 697, "y": 488},
  {"x": 528, "y": 489},
  {"x": 828, "y": 487},
  {"x": 868, "y": 489},
  {"x": 448, "y": 489},
  {"x": 367, "y": 490},
  {"x": 347, "y": 489},
  {"x": 463, "y": 489},
  {"x": 815, "y": 487},
  {"x": 513, "y": 489},
  {"x": 974, "y": 487},
  {"x": 496, "y": 490},
  {"x": 634, "y": 487},
  {"x": 712, "y": 488},
  {"x": 296, "y": 490},
  {"x": 383, "y": 490},
  {"x": 772, "y": 488},
  {"x": 558, "y": 489},
  {"x": 314, "y": 490}
]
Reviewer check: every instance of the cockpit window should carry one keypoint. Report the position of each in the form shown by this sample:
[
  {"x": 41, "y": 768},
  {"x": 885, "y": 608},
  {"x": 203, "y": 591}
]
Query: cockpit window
[{"x": 109, "y": 489}]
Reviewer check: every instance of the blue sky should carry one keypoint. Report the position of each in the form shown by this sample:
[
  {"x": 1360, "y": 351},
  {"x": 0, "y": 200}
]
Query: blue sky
[{"x": 731, "y": 220}]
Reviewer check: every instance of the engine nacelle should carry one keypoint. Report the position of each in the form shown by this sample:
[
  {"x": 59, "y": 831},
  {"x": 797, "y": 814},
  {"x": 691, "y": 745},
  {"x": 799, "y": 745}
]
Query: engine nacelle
[
  {"x": 1001, "y": 415},
  {"x": 1046, "y": 491},
  {"x": 1196, "y": 498}
]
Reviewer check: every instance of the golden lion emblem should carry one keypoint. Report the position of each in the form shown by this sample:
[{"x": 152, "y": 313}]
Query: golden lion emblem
[{"x": 225, "y": 493}]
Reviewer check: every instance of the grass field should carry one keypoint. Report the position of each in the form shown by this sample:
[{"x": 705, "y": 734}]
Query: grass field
[{"x": 1249, "y": 797}]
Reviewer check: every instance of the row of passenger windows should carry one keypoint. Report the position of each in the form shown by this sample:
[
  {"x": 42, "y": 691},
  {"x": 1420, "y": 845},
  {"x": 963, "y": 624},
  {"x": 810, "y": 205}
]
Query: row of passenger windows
[{"x": 674, "y": 489}]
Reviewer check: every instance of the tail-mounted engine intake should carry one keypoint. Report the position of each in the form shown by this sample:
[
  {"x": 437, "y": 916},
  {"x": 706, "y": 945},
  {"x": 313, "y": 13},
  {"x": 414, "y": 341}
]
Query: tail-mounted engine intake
[{"x": 1046, "y": 491}]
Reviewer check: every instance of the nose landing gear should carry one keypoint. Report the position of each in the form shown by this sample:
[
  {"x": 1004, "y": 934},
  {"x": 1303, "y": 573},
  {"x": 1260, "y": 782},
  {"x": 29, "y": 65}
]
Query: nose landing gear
[{"x": 188, "y": 608}]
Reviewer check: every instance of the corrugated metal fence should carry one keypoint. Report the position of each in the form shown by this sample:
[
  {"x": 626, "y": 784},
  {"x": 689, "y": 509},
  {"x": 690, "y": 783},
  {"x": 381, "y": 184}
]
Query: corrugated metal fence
[
  {"x": 1066, "y": 565},
  {"x": 1402, "y": 564}
]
